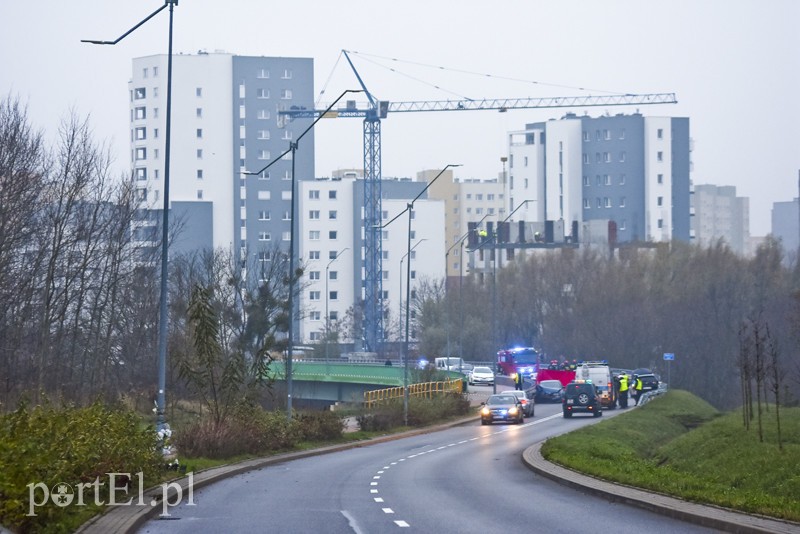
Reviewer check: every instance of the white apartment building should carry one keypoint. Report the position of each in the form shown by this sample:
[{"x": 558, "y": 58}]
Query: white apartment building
[{"x": 331, "y": 247}]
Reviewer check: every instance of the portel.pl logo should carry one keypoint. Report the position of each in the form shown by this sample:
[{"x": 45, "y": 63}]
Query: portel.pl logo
[{"x": 119, "y": 488}]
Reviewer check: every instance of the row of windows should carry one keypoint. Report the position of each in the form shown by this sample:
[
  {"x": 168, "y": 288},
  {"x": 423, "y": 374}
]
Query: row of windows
[
  {"x": 605, "y": 202},
  {"x": 605, "y": 135},
  {"x": 313, "y": 194},
  {"x": 314, "y": 214},
  {"x": 263, "y": 74},
  {"x": 606, "y": 179}
]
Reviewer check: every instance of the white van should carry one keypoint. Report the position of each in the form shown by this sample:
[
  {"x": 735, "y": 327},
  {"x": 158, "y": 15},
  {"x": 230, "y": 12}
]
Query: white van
[
  {"x": 599, "y": 373},
  {"x": 449, "y": 364}
]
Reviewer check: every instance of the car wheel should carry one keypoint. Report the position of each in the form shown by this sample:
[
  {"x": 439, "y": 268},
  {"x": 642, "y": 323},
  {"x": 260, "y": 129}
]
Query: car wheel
[
  {"x": 598, "y": 413},
  {"x": 583, "y": 399},
  {"x": 567, "y": 415}
]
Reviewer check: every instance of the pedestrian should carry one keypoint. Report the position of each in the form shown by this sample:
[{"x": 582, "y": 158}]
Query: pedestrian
[
  {"x": 637, "y": 390},
  {"x": 623, "y": 391},
  {"x": 518, "y": 381}
]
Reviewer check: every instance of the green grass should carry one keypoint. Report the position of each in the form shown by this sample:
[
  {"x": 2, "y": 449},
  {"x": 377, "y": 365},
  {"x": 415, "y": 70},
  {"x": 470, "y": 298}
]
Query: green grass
[{"x": 679, "y": 445}]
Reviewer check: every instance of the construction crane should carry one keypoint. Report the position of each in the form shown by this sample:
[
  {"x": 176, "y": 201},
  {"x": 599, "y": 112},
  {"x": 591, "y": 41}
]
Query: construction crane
[{"x": 373, "y": 112}]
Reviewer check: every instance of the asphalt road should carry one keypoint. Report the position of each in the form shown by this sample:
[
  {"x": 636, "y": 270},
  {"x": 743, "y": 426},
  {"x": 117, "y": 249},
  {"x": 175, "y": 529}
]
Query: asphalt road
[{"x": 467, "y": 479}]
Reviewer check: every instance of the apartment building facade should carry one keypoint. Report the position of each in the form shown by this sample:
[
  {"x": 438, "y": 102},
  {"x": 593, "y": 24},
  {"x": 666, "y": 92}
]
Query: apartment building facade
[{"x": 718, "y": 214}]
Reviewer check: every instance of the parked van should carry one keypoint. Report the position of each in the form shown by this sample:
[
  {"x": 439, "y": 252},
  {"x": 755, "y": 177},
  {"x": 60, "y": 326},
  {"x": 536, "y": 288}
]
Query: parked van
[{"x": 599, "y": 373}]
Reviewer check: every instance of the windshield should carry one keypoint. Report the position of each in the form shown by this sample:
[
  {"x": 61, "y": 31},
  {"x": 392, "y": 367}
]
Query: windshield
[
  {"x": 502, "y": 399},
  {"x": 481, "y": 370},
  {"x": 526, "y": 357},
  {"x": 550, "y": 384}
]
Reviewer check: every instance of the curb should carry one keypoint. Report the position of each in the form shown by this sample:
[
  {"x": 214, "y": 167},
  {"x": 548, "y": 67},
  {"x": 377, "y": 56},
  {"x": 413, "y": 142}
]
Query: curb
[
  {"x": 722, "y": 519},
  {"x": 129, "y": 519}
]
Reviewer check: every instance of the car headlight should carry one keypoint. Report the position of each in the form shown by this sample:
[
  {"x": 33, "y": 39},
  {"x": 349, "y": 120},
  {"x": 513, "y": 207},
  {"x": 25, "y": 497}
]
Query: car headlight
[
  {"x": 485, "y": 411},
  {"x": 512, "y": 410}
]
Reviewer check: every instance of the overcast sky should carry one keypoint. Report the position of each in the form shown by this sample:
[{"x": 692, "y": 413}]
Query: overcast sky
[{"x": 733, "y": 64}]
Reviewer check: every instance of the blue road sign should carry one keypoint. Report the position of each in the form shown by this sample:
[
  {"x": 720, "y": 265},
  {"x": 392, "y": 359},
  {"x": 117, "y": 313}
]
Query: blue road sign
[{"x": 669, "y": 356}]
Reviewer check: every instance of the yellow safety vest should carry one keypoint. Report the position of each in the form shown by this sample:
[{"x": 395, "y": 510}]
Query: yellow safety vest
[{"x": 623, "y": 383}]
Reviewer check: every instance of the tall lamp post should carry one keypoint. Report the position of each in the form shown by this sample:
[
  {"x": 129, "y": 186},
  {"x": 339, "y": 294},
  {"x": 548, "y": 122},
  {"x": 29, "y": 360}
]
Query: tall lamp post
[
  {"x": 493, "y": 239},
  {"x": 162, "y": 319},
  {"x": 409, "y": 209},
  {"x": 293, "y": 149},
  {"x": 460, "y": 242},
  {"x": 327, "y": 314},
  {"x": 400, "y": 294}
]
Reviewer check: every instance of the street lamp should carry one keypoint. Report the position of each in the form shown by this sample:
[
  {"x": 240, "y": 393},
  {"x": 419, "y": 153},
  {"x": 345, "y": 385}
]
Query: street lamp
[
  {"x": 162, "y": 319},
  {"x": 327, "y": 315},
  {"x": 400, "y": 294},
  {"x": 459, "y": 241},
  {"x": 409, "y": 209},
  {"x": 293, "y": 149},
  {"x": 493, "y": 238}
]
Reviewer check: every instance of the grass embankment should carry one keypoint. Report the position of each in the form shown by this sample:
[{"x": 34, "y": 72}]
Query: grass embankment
[{"x": 679, "y": 445}]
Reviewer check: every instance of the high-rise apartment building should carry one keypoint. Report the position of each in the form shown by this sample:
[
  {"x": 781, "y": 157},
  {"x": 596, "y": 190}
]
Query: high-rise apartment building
[
  {"x": 786, "y": 226},
  {"x": 224, "y": 122},
  {"x": 629, "y": 170}
]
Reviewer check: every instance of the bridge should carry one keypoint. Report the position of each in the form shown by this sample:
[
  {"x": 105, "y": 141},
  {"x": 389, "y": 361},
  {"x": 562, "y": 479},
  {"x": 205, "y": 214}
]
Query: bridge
[{"x": 320, "y": 383}]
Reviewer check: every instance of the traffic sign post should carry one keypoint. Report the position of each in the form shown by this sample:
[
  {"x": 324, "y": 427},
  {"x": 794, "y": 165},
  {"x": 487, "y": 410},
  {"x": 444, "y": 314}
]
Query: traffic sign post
[{"x": 669, "y": 357}]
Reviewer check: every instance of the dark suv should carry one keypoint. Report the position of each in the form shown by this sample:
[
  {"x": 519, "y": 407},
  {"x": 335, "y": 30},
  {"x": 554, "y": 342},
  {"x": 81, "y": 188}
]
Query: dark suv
[{"x": 581, "y": 397}]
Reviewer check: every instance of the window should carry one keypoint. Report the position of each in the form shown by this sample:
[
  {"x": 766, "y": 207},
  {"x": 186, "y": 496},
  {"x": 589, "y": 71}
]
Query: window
[
  {"x": 413, "y": 234},
  {"x": 140, "y": 113},
  {"x": 660, "y": 156},
  {"x": 264, "y": 215},
  {"x": 287, "y": 135},
  {"x": 599, "y": 179},
  {"x": 334, "y": 316},
  {"x": 315, "y": 316},
  {"x": 661, "y": 178},
  {"x": 586, "y": 136},
  {"x": 264, "y": 195},
  {"x": 155, "y": 113},
  {"x": 264, "y": 236},
  {"x": 263, "y": 74},
  {"x": 413, "y": 275},
  {"x": 384, "y": 215},
  {"x": 661, "y": 223},
  {"x": 199, "y": 113},
  {"x": 313, "y": 295},
  {"x": 660, "y": 201},
  {"x": 141, "y": 154},
  {"x": 262, "y": 114},
  {"x": 198, "y": 92},
  {"x": 199, "y": 174},
  {"x": 385, "y": 275},
  {"x": 313, "y": 275},
  {"x": 263, "y": 134},
  {"x": 155, "y": 92},
  {"x": 586, "y": 205},
  {"x": 199, "y": 153},
  {"x": 313, "y": 214},
  {"x": 621, "y": 179},
  {"x": 155, "y": 72},
  {"x": 141, "y": 194},
  {"x": 333, "y": 275},
  {"x": 263, "y": 154},
  {"x": 287, "y": 74},
  {"x": 621, "y": 202},
  {"x": 332, "y": 195},
  {"x": 597, "y": 157},
  {"x": 332, "y": 214},
  {"x": 313, "y": 255},
  {"x": 606, "y": 135},
  {"x": 607, "y": 179},
  {"x": 413, "y": 254},
  {"x": 622, "y": 157},
  {"x": 286, "y": 236},
  {"x": 141, "y": 173},
  {"x": 264, "y": 175},
  {"x": 155, "y": 153},
  {"x": 155, "y": 133},
  {"x": 525, "y": 162},
  {"x": 607, "y": 157},
  {"x": 144, "y": 72},
  {"x": 585, "y": 159},
  {"x": 315, "y": 336},
  {"x": 480, "y": 197},
  {"x": 660, "y": 133},
  {"x": 262, "y": 93},
  {"x": 313, "y": 194},
  {"x": 332, "y": 254},
  {"x": 607, "y": 202},
  {"x": 139, "y": 93},
  {"x": 313, "y": 235},
  {"x": 332, "y": 234},
  {"x": 622, "y": 134},
  {"x": 385, "y": 254},
  {"x": 140, "y": 134},
  {"x": 334, "y": 295},
  {"x": 622, "y": 224},
  {"x": 586, "y": 181},
  {"x": 286, "y": 94},
  {"x": 199, "y": 194},
  {"x": 199, "y": 133},
  {"x": 490, "y": 197},
  {"x": 597, "y": 135},
  {"x": 286, "y": 216},
  {"x": 599, "y": 202}
]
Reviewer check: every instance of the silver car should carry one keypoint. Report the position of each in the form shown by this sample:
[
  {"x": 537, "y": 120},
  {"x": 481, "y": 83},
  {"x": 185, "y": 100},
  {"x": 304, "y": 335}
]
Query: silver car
[{"x": 525, "y": 397}]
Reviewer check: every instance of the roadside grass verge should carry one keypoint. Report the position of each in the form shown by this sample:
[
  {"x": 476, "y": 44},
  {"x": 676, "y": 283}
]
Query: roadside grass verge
[{"x": 679, "y": 445}]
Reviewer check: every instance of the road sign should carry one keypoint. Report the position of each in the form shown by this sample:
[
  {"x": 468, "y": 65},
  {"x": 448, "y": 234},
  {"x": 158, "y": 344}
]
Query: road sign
[{"x": 669, "y": 356}]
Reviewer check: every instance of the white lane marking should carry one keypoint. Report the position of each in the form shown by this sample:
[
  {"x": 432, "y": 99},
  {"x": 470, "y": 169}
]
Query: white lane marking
[
  {"x": 402, "y": 524},
  {"x": 373, "y": 491},
  {"x": 352, "y": 522},
  {"x": 380, "y": 472},
  {"x": 387, "y": 510},
  {"x": 393, "y": 463},
  {"x": 376, "y": 477},
  {"x": 373, "y": 483},
  {"x": 378, "y": 499}
]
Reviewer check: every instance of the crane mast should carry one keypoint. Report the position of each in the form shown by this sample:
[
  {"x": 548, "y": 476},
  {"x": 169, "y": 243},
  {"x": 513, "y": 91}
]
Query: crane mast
[{"x": 379, "y": 109}]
